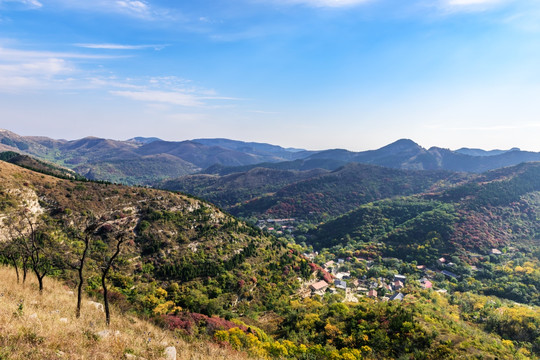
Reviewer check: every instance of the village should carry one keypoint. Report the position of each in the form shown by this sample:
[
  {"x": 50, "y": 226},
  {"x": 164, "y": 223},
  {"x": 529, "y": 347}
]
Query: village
[{"x": 334, "y": 277}]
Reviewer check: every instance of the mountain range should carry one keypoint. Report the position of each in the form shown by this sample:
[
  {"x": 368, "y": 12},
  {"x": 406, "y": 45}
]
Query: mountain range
[{"x": 145, "y": 161}]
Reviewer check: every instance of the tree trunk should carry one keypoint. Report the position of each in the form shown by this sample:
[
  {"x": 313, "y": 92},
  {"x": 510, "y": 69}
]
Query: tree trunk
[
  {"x": 14, "y": 260},
  {"x": 24, "y": 269},
  {"x": 106, "y": 299},
  {"x": 104, "y": 277},
  {"x": 81, "y": 278},
  {"x": 40, "y": 281},
  {"x": 79, "y": 294}
]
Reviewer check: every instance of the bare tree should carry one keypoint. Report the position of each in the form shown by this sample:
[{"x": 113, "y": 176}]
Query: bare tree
[
  {"x": 106, "y": 267},
  {"x": 37, "y": 244},
  {"x": 107, "y": 252},
  {"x": 83, "y": 231}
]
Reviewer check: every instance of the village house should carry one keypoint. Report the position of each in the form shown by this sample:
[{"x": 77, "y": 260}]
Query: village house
[
  {"x": 329, "y": 264},
  {"x": 397, "y": 296},
  {"x": 340, "y": 284},
  {"x": 398, "y": 285},
  {"x": 425, "y": 283},
  {"x": 343, "y": 275},
  {"x": 401, "y": 278},
  {"x": 441, "y": 261},
  {"x": 496, "y": 252},
  {"x": 319, "y": 286},
  {"x": 372, "y": 293}
]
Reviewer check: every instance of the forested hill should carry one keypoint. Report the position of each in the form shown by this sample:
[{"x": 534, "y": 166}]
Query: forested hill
[
  {"x": 233, "y": 189},
  {"x": 334, "y": 193},
  {"x": 500, "y": 208},
  {"x": 171, "y": 241}
]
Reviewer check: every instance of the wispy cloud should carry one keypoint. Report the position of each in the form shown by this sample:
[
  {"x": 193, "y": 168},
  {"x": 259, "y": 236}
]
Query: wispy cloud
[
  {"x": 35, "y": 74},
  {"x": 185, "y": 97},
  {"x": 121, "y": 46},
  {"x": 23, "y": 70},
  {"x": 132, "y": 8},
  {"x": 174, "y": 98},
  {"x": 324, "y": 3},
  {"x": 26, "y": 4},
  {"x": 472, "y": 5},
  {"x": 15, "y": 55}
]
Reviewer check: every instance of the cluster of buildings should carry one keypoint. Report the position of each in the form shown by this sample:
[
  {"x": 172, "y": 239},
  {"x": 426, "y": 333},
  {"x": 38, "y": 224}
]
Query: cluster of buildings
[
  {"x": 381, "y": 289},
  {"x": 279, "y": 226}
]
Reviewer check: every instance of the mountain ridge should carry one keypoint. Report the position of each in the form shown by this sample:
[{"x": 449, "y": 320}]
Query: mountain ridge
[{"x": 125, "y": 161}]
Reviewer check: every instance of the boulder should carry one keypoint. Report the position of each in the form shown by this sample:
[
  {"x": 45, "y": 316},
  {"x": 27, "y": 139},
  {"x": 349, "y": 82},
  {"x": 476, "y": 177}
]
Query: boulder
[{"x": 170, "y": 353}]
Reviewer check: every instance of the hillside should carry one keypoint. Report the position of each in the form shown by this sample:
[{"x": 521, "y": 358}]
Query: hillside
[
  {"x": 236, "y": 188},
  {"x": 36, "y": 327},
  {"x": 38, "y": 165},
  {"x": 498, "y": 210},
  {"x": 335, "y": 193},
  {"x": 477, "y": 215},
  {"x": 172, "y": 241}
]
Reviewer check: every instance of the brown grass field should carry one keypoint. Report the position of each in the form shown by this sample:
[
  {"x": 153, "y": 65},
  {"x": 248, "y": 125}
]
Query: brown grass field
[{"x": 42, "y": 327}]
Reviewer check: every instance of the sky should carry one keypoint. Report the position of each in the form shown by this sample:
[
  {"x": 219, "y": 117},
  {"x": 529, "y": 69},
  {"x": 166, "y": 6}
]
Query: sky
[{"x": 314, "y": 74}]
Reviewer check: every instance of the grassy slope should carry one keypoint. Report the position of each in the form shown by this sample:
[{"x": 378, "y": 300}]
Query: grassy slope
[{"x": 24, "y": 335}]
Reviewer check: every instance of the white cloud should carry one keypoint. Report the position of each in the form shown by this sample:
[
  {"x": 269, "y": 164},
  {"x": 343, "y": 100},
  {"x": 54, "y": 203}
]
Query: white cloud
[
  {"x": 15, "y": 55},
  {"x": 472, "y": 5},
  {"x": 28, "y": 4},
  {"x": 23, "y": 70},
  {"x": 472, "y": 2},
  {"x": 132, "y": 8},
  {"x": 37, "y": 74},
  {"x": 168, "y": 97},
  {"x": 120, "y": 46},
  {"x": 184, "y": 97},
  {"x": 325, "y": 3}
]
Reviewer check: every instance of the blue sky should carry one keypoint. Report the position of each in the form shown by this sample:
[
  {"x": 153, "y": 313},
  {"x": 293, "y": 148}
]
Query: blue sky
[{"x": 354, "y": 74}]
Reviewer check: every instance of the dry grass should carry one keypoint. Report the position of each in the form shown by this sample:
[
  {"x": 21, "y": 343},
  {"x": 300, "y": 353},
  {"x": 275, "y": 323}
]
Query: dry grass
[{"x": 31, "y": 328}]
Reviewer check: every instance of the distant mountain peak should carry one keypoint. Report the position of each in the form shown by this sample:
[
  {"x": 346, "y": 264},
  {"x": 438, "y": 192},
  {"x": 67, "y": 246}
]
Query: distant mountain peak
[
  {"x": 144, "y": 140},
  {"x": 402, "y": 145}
]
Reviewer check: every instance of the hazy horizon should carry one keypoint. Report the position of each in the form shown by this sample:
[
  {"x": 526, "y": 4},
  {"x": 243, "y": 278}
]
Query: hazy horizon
[{"x": 277, "y": 144}]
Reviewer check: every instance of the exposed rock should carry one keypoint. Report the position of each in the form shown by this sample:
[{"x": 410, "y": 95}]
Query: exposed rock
[
  {"x": 103, "y": 334},
  {"x": 97, "y": 305},
  {"x": 64, "y": 320},
  {"x": 33, "y": 316},
  {"x": 170, "y": 353}
]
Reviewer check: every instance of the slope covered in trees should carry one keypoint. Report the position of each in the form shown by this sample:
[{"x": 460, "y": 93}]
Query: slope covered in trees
[{"x": 342, "y": 190}]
